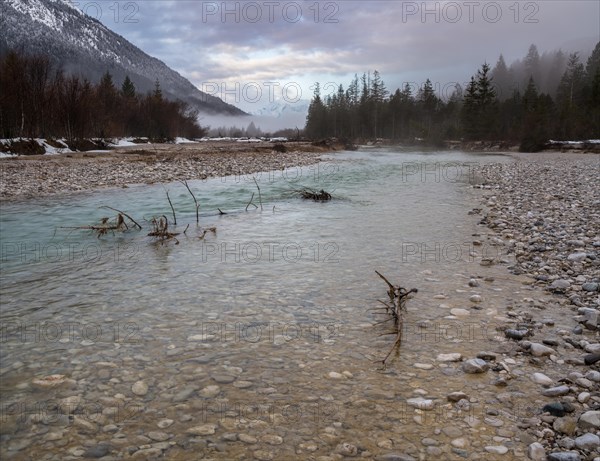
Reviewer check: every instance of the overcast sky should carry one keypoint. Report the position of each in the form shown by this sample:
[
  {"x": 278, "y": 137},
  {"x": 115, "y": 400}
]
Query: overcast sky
[{"x": 247, "y": 46}]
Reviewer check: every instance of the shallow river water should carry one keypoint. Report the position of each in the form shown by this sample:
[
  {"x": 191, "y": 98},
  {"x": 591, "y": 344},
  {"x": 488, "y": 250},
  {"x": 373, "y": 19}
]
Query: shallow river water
[{"x": 258, "y": 342}]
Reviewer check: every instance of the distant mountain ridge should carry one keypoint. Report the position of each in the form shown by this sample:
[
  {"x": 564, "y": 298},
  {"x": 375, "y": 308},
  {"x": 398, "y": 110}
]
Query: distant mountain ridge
[{"x": 83, "y": 45}]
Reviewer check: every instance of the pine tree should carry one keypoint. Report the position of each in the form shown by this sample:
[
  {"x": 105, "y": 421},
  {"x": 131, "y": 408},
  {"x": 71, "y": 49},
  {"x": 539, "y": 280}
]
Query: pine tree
[
  {"x": 532, "y": 65},
  {"x": 316, "y": 120},
  {"x": 428, "y": 105},
  {"x": 470, "y": 111},
  {"x": 501, "y": 77},
  {"x": 486, "y": 103},
  {"x": 569, "y": 98},
  {"x": 128, "y": 88},
  {"x": 157, "y": 93}
]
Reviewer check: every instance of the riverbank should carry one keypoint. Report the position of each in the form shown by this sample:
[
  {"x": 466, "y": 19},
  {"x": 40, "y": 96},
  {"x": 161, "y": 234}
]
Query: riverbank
[
  {"x": 42, "y": 175},
  {"x": 543, "y": 214}
]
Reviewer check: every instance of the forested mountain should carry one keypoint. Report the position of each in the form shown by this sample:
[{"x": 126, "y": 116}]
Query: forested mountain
[
  {"x": 38, "y": 100},
  {"x": 83, "y": 46},
  {"x": 517, "y": 103}
]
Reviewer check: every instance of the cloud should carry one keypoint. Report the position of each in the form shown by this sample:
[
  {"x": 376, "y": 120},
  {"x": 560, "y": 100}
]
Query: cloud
[{"x": 286, "y": 41}]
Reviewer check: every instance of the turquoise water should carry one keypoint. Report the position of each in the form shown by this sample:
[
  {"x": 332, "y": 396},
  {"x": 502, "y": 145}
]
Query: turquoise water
[{"x": 296, "y": 270}]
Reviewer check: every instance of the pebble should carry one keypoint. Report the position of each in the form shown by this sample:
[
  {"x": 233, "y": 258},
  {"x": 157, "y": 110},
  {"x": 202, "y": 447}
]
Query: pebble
[
  {"x": 555, "y": 409},
  {"x": 590, "y": 420},
  {"x": 346, "y": 449},
  {"x": 473, "y": 366},
  {"x": 564, "y": 456},
  {"x": 475, "y": 298},
  {"x": 263, "y": 455},
  {"x": 210, "y": 391},
  {"x": 536, "y": 452},
  {"x": 452, "y": 357},
  {"x": 164, "y": 423},
  {"x": 205, "y": 429},
  {"x": 423, "y": 366},
  {"x": 591, "y": 287},
  {"x": 394, "y": 457},
  {"x": 485, "y": 355},
  {"x": 459, "y": 443},
  {"x": 223, "y": 379},
  {"x": 516, "y": 334},
  {"x": 565, "y": 425},
  {"x": 421, "y": 403},
  {"x": 587, "y": 442},
  {"x": 158, "y": 436},
  {"x": 456, "y": 396},
  {"x": 539, "y": 350},
  {"x": 139, "y": 388},
  {"x": 560, "y": 285},
  {"x": 247, "y": 438},
  {"x": 97, "y": 451},
  {"x": 335, "y": 375},
  {"x": 556, "y": 391},
  {"x": 542, "y": 379},
  {"x": 272, "y": 439},
  {"x": 497, "y": 449},
  {"x": 592, "y": 358}
]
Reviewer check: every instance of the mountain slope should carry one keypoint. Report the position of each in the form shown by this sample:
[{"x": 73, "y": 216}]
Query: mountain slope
[{"x": 82, "y": 45}]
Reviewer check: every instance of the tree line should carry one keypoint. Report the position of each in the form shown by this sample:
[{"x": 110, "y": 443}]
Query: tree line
[
  {"x": 484, "y": 110},
  {"x": 39, "y": 101}
]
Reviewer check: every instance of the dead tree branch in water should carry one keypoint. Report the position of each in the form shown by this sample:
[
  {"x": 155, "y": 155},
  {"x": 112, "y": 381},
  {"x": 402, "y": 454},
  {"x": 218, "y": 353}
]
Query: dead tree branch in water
[
  {"x": 160, "y": 229},
  {"x": 105, "y": 226},
  {"x": 259, "y": 197},
  {"x": 124, "y": 214},
  {"x": 395, "y": 309},
  {"x": 250, "y": 202},
  {"x": 310, "y": 194},
  {"x": 195, "y": 201},
  {"x": 172, "y": 209},
  {"x": 206, "y": 231}
]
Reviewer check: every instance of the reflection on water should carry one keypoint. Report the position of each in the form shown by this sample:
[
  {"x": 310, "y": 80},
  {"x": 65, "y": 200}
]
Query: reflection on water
[{"x": 273, "y": 311}]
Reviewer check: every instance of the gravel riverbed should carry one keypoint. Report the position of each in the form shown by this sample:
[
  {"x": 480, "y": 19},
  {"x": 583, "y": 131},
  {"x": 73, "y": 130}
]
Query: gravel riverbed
[
  {"x": 37, "y": 176},
  {"x": 543, "y": 213}
]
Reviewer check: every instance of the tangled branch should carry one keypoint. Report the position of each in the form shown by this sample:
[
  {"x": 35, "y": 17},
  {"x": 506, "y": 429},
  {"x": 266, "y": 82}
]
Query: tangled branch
[{"x": 395, "y": 309}]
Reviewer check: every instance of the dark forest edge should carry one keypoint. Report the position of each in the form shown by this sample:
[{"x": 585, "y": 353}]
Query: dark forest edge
[
  {"x": 477, "y": 116},
  {"x": 39, "y": 101}
]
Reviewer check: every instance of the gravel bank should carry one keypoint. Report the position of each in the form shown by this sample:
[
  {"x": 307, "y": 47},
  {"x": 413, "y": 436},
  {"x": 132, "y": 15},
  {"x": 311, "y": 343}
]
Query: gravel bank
[
  {"x": 543, "y": 213},
  {"x": 36, "y": 176}
]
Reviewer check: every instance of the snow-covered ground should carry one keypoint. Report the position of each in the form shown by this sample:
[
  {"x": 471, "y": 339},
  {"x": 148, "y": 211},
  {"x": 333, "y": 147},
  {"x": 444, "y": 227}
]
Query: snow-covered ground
[
  {"x": 575, "y": 143},
  {"x": 230, "y": 139},
  {"x": 50, "y": 146}
]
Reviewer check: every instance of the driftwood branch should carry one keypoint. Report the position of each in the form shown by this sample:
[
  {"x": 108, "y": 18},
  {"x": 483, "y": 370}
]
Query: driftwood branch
[
  {"x": 395, "y": 308},
  {"x": 172, "y": 209},
  {"x": 105, "y": 226},
  {"x": 250, "y": 202},
  {"x": 124, "y": 214},
  {"x": 195, "y": 201},
  {"x": 311, "y": 194},
  {"x": 160, "y": 229},
  {"x": 259, "y": 197},
  {"x": 206, "y": 231}
]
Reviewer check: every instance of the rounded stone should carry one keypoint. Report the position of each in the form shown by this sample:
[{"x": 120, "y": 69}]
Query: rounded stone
[
  {"x": 473, "y": 366},
  {"x": 139, "y": 388},
  {"x": 587, "y": 442}
]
